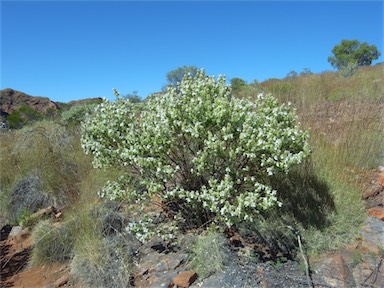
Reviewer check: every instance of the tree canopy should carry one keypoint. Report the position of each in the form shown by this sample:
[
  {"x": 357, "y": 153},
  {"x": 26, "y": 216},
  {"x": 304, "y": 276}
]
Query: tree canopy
[
  {"x": 175, "y": 76},
  {"x": 237, "y": 84},
  {"x": 352, "y": 52}
]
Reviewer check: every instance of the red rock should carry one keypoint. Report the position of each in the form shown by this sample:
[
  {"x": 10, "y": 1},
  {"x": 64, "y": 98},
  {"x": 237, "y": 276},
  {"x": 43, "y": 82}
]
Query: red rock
[
  {"x": 11, "y": 100},
  {"x": 185, "y": 279},
  {"x": 377, "y": 212},
  {"x": 380, "y": 181}
]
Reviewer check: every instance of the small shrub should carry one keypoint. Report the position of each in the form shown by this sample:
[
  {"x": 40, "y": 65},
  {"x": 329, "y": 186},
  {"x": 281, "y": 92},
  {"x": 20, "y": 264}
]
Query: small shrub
[
  {"x": 103, "y": 252},
  {"x": 108, "y": 219},
  {"x": 76, "y": 114},
  {"x": 15, "y": 120},
  {"x": 42, "y": 165},
  {"x": 23, "y": 116}
]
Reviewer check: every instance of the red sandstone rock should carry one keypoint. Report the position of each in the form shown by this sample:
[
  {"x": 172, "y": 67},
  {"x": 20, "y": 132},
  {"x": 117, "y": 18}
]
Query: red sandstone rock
[
  {"x": 380, "y": 180},
  {"x": 185, "y": 279},
  {"x": 377, "y": 212}
]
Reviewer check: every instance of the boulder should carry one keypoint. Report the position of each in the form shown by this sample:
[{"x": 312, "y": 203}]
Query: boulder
[
  {"x": 330, "y": 271},
  {"x": 372, "y": 191},
  {"x": 11, "y": 100},
  {"x": 5, "y": 230},
  {"x": 185, "y": 279},
  {"x": 377, "y": 212},
  {"x": 380, "y": 180},
  {"x": 27, "y": 196}
]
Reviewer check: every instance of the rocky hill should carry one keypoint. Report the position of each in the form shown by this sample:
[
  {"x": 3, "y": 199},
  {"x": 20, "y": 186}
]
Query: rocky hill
[
  {"x": 12, "y": 100},
  {"x": 18, "y": 108}
]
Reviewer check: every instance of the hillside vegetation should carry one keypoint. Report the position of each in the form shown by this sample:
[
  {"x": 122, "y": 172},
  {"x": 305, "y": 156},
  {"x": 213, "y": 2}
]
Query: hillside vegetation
[
  {"x": 345, "y": 117},
  {"x": 321, "y": 197}
]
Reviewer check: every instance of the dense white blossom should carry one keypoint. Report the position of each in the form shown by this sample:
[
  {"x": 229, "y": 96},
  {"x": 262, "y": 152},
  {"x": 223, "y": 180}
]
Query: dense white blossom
[{"x": 199, "y": 145}]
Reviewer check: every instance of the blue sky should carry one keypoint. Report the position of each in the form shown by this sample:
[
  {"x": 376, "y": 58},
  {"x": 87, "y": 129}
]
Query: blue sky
[{"x": 69, "y": 50}]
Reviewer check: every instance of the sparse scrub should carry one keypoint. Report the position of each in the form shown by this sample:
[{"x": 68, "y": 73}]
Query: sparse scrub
[
  {"x": 321, "y": 197},
  {"x": 22, "y": 116},
  {"x": 248, "y": 91},
  {"x": 76, "y": 114},
  {"x": 45, "y": 151}
]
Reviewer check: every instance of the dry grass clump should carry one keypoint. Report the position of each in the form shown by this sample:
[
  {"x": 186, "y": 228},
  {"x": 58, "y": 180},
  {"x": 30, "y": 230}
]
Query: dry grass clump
[
  {"x": 48, "y": 157},
  {"x": 345, "y": 119},
  {"x": 102, "y": 257},
  {"x": 207, "y": 254},
  {"x": 50, "y": 153},
  {"x": 102, "y": 263},
  {"x": 50, "y": 149},
  {"x": 52, "y": 242}
]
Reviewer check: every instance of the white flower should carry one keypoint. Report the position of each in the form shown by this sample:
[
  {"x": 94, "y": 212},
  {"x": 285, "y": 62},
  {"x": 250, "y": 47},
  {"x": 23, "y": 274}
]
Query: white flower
[{"x": 216, "y": 142}]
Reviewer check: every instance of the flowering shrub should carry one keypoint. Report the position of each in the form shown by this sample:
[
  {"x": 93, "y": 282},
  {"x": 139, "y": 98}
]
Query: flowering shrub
[
  {"x": 206, "y": 154},
  {"x": 145, "y": 228}
]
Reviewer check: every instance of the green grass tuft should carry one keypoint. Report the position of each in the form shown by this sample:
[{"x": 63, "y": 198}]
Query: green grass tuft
[
  {"x": 100, "y": 260},
  {"x": 52, "y": 243},
  {"x": 208, "y": 253}
]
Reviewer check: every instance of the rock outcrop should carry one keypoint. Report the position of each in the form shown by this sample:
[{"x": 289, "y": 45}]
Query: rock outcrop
[
  {"x": 11, "y": 100},
  {"x": 23, "y": 108}
]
